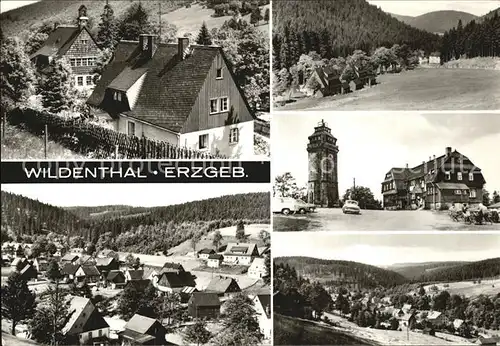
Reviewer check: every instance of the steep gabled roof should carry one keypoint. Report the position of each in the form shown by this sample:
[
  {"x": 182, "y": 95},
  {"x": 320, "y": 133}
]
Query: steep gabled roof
[
  {"x": 220, "y": 284},
  {"x": 90, "y": 271},
  {"x": 116, "y": 276},
  {"x": 265, "y": 301},
  {"x": 205, "y": 299},
  {"x": 136, "y": 274},
  {"x": 171, "y": 86},
  {"x": 69, "y": 257},
  {"x": 103, "y": 262},
  {"x": 206, "y": 251},
  {"x": 70, "y": 269},
  {"x": 83, "y": 317},
  {"x": 140, "y": 324},
  {"x": 172, "y": 265},
  {"x": 60, "y": 40},
  {"x": 176, "y": 280}
]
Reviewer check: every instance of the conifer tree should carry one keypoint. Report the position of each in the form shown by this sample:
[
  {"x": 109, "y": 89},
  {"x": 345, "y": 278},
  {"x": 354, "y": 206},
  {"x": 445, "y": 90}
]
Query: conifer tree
[
  {"x": 57, "y": 91},
  {"x": 197, "y": 333},
  {"x": 107, "y": 36},
  {"x": 204, "y": 37},
  {"x": 18, "y": 303}
]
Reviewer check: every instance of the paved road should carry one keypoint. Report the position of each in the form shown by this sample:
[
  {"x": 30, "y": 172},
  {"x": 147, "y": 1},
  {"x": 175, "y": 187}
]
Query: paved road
[{"x": 373, "y": 220}]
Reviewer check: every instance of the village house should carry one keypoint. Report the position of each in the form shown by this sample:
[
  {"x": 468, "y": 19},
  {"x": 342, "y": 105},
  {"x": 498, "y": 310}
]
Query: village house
[
  {"x": 435, "y": 58},
  {"x": 107, "y": 253},
  {"x": 204, "y": 253},
  {"x": 436, "y": 318},
  {"x": 215, "y": 260},
  {"x": 142, "y": 330},
  {"x": 174, "y": 282},
  {"x": 116, "y": 279},
  {"x": 41, "y": 264},
  {"x": 68, "y": 271},
  {"x": 19, "y": 261},
  {"x": 138, "y": 285},
  {"x": 87, "y": 260},
  {"x": 223, "y": 286},
  {"x": 172, "y": 267},
  {"x": 257, "y": 269},
  {"x": 106, "y": 264},
  {"x": 204, "y": 305},
  {"x": 89, "y": 273},
  {"x": 28, "y": 272},
  {"x": 182, "y": 94},
  {"x": 76, "y": 44},
  {"x": 262, "y": 305},
  {"x": 443, "y": 181},
  {"x": 240, "y": 253},
  {"x": 86, "y": 326},
  {"x": 329, "y": 81},
  {"x": 134, "y": 274},
  {"x": 69, "y": 258}
]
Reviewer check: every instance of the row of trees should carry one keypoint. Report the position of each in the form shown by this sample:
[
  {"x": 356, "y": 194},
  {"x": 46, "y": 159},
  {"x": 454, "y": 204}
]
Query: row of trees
[{"x": 476, "y": 38}]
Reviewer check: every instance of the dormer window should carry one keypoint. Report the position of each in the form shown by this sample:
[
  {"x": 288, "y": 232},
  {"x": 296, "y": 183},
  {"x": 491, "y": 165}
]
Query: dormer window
[
  {"x": 219, "y": 73},
  {"x": 117, "y": 96},
  {"x": 471, "y": 176},
  {"x": 447, "y": 175},
  {"x": 459, "y": 175}
]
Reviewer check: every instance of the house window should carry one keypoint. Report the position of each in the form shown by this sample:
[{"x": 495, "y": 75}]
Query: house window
[
  {"x": 90, "y": 335},
  {"x": 459, "y": 175},
  {"x": 100, "y": 332},
  {"x": 471, "y": 176},
  {"x": 80, "y": 80},
  {"x": 81, "y": 336},
  {"x": 78, "y": 61},
  {"x": 447, "y": 175},
  {"x": 219, "y": 73},
  {"x": 72, "y": 62},
  {"x": 89, "y": 80},
  {"x": 84, "y": 42},
  {"x": 472, "y": 193},
  {"x": 214, "y": 106},
  {"x": 131, "y": 128},
  {"x": 458, "y": 192},
  {"x": 234, "y": 135},
  {"x": 224, "y": 104},
  {"x": 203, "y": 141},
  {"x": 119, "y": 96}
]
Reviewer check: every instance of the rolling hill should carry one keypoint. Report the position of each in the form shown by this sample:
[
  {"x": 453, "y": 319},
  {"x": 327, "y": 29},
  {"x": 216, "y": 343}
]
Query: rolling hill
[
  {"x": 23, "y": 18},
  {"x": 416, "y": 270},
  {"x": 488, "y": 268},
  {"x": 437, "y": 21},
  {"x": 331, "y": 271}
]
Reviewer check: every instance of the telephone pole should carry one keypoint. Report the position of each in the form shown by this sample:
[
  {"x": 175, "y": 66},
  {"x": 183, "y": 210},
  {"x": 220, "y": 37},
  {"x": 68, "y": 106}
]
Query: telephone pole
[{"x": 159, "y": 21}]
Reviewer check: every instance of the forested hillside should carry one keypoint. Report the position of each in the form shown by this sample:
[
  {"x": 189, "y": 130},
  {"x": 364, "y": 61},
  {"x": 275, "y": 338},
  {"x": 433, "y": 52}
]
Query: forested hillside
[
  {"x": 476, "y": 39},
  {"x": 325, "y": 270},
  {"x": 477, "y": 270},
  {"x": 416, "y": 270},
  {"x": 437, "y": 21},
  {"x": 146, "y": 230},
  {"x": 338, "y": 28}
]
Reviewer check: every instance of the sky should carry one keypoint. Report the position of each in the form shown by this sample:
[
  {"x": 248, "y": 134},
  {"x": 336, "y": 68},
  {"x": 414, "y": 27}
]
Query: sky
[
  {"x": 371, "y": 143},
  {"x": 137, "y": 195},
  {"x": 387, "y": 249},
  {"x": 417, "y": 7},
  {"x": 7, "y": 5}
]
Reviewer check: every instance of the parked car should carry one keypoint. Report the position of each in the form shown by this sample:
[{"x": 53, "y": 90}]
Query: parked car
[
  {"x": 351, "y": 207},
  {"x": 288, "y": 205}
]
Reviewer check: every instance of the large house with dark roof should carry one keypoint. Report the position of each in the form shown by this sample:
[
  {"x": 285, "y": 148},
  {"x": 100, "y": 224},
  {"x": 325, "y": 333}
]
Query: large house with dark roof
[
  {"x": 75, "y": 43},
  {"x": 85, "y": 326},
  {"x": 142, "y": 330},
  {"x": 178, "y": 93},
  {"x": 441, "y": 181},
  {"x": 240, "y": 253}
]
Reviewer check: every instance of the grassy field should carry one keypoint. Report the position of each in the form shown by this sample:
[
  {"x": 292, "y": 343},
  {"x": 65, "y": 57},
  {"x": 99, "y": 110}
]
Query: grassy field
[
  {"x": 189, "y": 19},
  {"x": 421, "y": 89},
  {"x": 22, "y": 145},
  {"x": 469, "y": 288},
  {"x": 292, "y": 331}
]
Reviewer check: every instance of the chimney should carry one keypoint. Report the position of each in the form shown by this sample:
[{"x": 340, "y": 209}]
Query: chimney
[
  {"x": 55, "y": 26},
  {"x": 147, "y": 44},
  {"x": 82, "y": 22},
  {"x": 406, "y": 166},
  {"x": 434, "y": 157},
  {"x": 448, "y": 151},
  {"x": 182, "y": 46}
]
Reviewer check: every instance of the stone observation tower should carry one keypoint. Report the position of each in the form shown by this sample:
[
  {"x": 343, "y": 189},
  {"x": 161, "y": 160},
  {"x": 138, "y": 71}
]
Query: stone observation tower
[{"x": 323, "y": 186}]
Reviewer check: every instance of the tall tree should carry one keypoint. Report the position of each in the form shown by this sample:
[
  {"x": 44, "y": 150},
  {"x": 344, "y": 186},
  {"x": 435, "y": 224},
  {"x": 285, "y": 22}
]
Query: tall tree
[
  {"x": 107, "y": 35},
  {"x": 496, "y": 197},
  {"x": 53, "y": 271},
  {"x": 197, "y": 333},
  {"x": 18, "y": 303},
  {"x": 57, "y": 305},
  {"x": 240, "y": 231},
  {"x": 255, "y": 16},
  {"x": 217, "y": 240},
  {"x": 17, "y": 77},
  {"x": 204, "y": 37},
  {"x": 57, "y": 91},
  {"x": 134, "y": 22},
  {"x": 266, "y": 15}
]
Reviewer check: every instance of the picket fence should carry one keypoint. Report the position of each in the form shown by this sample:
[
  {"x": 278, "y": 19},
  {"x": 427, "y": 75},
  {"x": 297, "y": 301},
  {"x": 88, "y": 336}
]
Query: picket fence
[{"x": 99, "y": 142}]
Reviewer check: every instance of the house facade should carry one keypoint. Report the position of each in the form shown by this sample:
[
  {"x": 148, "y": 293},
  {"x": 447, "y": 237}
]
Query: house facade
[
  {"x": 435, "y": 58},
  {"x": 76, "y": 44},
  {"x": 262, "y": 306},
  {"x": 86, "y": 326},
  {"x": 205, "y": 253},
  {"x": 223, "y": 286},
  {"x": 215, "y": 260},
  {"x": 142, "y": 330},
  {"x": 445, "y": 181},
  {"x": 240, "y": 253},
  {"x": 204, "y": 305},
  {"x": 257, "y": 269},
  {"x": 182, "y": 94}
]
